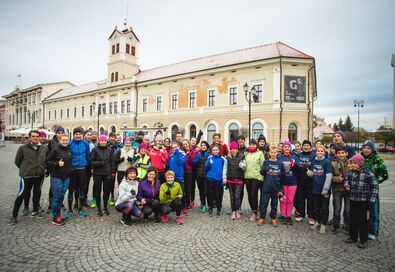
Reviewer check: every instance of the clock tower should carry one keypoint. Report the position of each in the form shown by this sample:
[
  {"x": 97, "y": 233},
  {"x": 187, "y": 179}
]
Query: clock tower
[{"x": 123, "y": 55}]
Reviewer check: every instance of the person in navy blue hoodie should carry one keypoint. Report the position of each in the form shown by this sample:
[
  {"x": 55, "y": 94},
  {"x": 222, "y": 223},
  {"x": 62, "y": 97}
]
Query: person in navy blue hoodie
[
  {"x": 274, "y": 175},
  {"x": 215, "y": 191},
  {"x": 80, "y": 152},
  {"x": 177, "y": 160},
  {"x": 339, "y": 140},
  {"x": 322, "y": 177},
  {"x": 290, "y": 184},
  {"x": 303, "y": 192}
]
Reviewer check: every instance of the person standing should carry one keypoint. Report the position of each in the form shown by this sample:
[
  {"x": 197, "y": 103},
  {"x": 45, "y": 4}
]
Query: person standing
[
  {"x": 374, "y": 163},
  {"x": 201, "y": 175},
  {"x": 159, "y": 157},
  {"x": 123, "y": 158},
  {"x": 339, "y": 139},
  {"x": 59, "y": 162},
  {"x": 30, "y": 159}
]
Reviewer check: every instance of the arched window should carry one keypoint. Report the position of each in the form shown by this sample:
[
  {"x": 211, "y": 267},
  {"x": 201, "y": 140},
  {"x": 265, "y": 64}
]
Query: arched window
[
  {"x": 292, "y": 132},
  {"x": 113, "y": 129},
  {"x": 116, "y": 76},
  {"x": 257, "y": 129},
  {"x": 112, "y": 77},
  {"x": 192, "y": 131},
  {"x": 174, "y": 131},
  {"x": 211, "y": 129},
  {"x": 233, "y": 132}
]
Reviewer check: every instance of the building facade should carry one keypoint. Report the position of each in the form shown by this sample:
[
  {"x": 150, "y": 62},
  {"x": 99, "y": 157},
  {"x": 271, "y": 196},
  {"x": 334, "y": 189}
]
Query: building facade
[
  {"x": 393, "y": 89},
  {"x": 2, "y": 115},
  {"x": 205, "y": 94}
]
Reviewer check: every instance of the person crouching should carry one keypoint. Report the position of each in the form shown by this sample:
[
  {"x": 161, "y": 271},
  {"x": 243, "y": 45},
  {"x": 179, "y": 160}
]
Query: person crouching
[{"x": 170, "y": 195}]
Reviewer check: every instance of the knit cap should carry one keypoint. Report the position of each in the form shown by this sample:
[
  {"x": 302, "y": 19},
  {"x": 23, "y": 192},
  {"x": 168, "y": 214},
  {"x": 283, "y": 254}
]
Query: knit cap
[
  {"x": 43, "y": 134},
  {"x": 102, "y": 137},
  {"x": 205, "y": 143},
  {"x": 59, "y": 129},
  {"x": 261, "y": 137},
  {"x": 358, "y": 159},
  {"x": 306, "y": 142},
  {"x": 342, "y": 134},
  {"x": 131, "y": 169},
  {"x": 77, "y": 130},
  {"x": 112, "y": 134},
  {"x": 143, "y": 146},
  {"x": 131, "y": 134},
  {"x": 234, "y": 145},
  {"x": 286, "y": 143},
  {"x": 370, "y": 144}
]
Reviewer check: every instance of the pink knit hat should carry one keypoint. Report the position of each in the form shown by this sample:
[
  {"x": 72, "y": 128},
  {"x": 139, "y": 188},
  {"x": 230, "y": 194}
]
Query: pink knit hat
[
  {"x": 358, "y": 159},
  {"x": 286, "y": 143},
  {"x": 143, "y": 146},
  {"x": 234, "y": 145},
  {"x": 102, "y": 138}
]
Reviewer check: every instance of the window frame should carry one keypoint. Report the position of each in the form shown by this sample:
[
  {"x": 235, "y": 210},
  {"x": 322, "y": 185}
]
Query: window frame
[
  {"x": 233, "y": 95},
  {"x": 192, "y": 99},
  {"x": 144, "y": 106},
  {"x": 209, "y": 96},
  {"x": 174, "y": 102},
  {"x": 159, "y": 103}
]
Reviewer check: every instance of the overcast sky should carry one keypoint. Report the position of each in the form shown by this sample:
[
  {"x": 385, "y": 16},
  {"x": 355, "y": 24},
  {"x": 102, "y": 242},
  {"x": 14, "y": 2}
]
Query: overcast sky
[{"x": 352, "y": 42}]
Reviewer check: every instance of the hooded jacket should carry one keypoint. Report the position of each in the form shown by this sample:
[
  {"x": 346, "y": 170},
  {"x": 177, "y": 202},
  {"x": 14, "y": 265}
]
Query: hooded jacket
[
  {"x": 376, "y": 164},
  {"x": 200, "y": 163},
  {"x": 214, "y": 167},
  {"x": 79, "y": 154},
  {"x": 128, "y": 190},
  {"x": 31, "y": 160},
  {"x": 168, "y": 193},
  {"x": 102, "y": 160},
  {"x": 254, "y": 161},
  {"x": 148, "y": 192},
  {"x": 176, "y": 164},
  {"x": 56, "y": 154},
  {"x": 159, "y": 158}
]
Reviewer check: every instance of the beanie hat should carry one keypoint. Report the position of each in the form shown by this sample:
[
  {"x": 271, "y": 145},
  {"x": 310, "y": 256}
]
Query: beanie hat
[
  {"x": 234, "y": 145},
  {"x": 286, "y": 143},
  {"x": 342, "y": 134},
  {"x": 131, "y": 169},
  {"x": 140, "y": 133},
  {"x": 102, "y": 137},
  {"x": 159, "y": 138},
  {"x": 131, "y": 134},
  {"x": 112, "y": 134},
  {"x": 370, "y": 144},
  {"x": 86, "y": 131},
  {"x": 358, "y": 159},
  {"x": 143, "y": 146},
  {"x": 77, "y": 130},
  {"x": 146, "y": 137},
  {"x": 261, "y": 137},
  {"x": 205, "y": 143},
  {"x": 241, "y": 137},
  {"x": 43, "y": 134},
  {"x": 59, "y": 129},
  {"x": 127, "y": 139},
  {"x": 253, "y": 141},
  {"x": 306, "y": 142}
]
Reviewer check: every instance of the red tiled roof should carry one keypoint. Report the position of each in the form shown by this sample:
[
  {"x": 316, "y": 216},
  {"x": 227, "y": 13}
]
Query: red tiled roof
[{"x": 262, "y": 52}]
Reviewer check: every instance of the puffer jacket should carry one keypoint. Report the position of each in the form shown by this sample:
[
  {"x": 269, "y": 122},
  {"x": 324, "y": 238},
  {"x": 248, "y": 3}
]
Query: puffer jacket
[
  {"x": 53, "y": 159},
  {"x": 79, "y": 154},
  {"x": 102, "y": 160}
]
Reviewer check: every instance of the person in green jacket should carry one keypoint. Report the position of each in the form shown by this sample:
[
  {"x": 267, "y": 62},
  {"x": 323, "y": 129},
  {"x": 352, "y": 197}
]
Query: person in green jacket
[
  {"x": 170, "y": 195},
  {"x": 375, "y": 164},
  {"x": 254, "y": 160}
]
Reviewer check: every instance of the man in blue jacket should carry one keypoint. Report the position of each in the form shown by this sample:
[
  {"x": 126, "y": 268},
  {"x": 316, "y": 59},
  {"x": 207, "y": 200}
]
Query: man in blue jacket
[{"x": 79, "y": 161}]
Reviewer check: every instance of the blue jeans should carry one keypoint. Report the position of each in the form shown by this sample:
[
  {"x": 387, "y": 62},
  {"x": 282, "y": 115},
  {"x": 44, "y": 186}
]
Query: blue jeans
[
  {"x": 338, "y": 199},
  {"x": 265, "y": 197},
  {"x": 374, "y": 217},
  {"x": 58, "y": 187}
]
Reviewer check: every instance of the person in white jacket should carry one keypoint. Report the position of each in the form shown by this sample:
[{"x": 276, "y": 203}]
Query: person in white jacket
[{"x": 127, "y": 201}]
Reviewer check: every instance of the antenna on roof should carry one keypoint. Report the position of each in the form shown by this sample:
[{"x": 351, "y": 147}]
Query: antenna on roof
[{"x": 126, "y": 18}]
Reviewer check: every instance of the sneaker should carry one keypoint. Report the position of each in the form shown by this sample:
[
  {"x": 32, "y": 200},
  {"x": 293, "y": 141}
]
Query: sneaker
[
  {"x": 330, "y": 222},
  {"x": 274, "y": 222},
  {"x": 322, "y": 229},
  {"x": 283, "y": 220},
  {"x": 192, "y": 204},
  {"x": 56, "y": 223},
  {"x": 185, "y": 211},
  {"x": 261, "y": 221},
  {"x": 210, "y": 212},
  {"x": 85, "y": 205},
  {"x": 49, "y": 209},
  {"x": 179, "y": 220},
  {"x": 237, "y": 214},
  {"x": 240, "y": 211},
  {"x": 83, "y": 214},
  {"x": 25, "y": 211},
  {"x": 100, "y": 212},
  {"x": 335, "y": 230},
  {"x": 13, "y": 221},
  {"x": 299, "y": 219},
  {"x": 124, "y": 222},
  {"x": 40, "y": 209},
  {"x": 233, "y": 216},
  {"x": 68, "y": 215},
  {"x": 315, "y": 226},
  {"x": 145, "y": 217},
  {"x": 218, "y": 212},
  {"x": 106, "y": 212},
  {"x": 371, "y": 237},
  {"x": 93, "y": 203},
  {"x": 311, "y": 221},
  {"x": 350, "y": 241},
  {"x": 203, "y": 209},
  {"x": 289, "y": 221},
  {"x": 111, "y": 202},
  {"x": 252, "y": 217},
  {"x": 37, "y": 215},
  {"x": 157, "y": 220},
  {"x": 363, "y": 245},
  {"x": 164, "y": 218}
]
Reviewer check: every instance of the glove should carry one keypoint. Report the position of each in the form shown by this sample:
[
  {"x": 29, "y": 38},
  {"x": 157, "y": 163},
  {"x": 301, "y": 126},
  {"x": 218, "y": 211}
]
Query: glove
[
  {"x": 113, "y": 174},
  {"x": 122, "y": 159},
  {"x": 200, "y": 134},
  {"x": 211, "y": 161},
  {"x": 133, "y": 192},
  {"x": 167, "y": 193},
  {"x": 129, "y": 159}
]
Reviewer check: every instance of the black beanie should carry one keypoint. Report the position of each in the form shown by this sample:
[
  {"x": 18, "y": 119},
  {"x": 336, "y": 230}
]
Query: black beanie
[
  {"x": 77, "y": 130},
  {"x": 306, "y": 142},
  {"x": 261, "y": 137},
  {"x": 205, "y": 143}
]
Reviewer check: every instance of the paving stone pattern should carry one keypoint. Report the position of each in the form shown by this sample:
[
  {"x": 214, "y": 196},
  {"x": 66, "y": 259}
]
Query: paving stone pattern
[{"x": 203, "y": 243}]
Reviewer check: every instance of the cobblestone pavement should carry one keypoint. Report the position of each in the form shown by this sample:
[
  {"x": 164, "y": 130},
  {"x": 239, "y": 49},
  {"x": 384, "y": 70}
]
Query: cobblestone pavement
[{"x": 202, "y": 243}]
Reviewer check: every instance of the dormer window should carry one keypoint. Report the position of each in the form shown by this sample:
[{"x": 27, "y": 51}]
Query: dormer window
[
  {"x": 127, "y": 48},
  {"x": 133, "y": 51}
]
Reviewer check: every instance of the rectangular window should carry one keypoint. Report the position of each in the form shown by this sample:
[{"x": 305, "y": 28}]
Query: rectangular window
[
  {"x": 174, "y": 101},
  {"x": 211, "y": 98},
  {"x": 68, "y": 113},
  {"x": 233, "y": 96},
  {"x": 75, "y": 112},
  {"x": 110, "y": 111},
  {"x": 128, "y": 106},
  {"x": 115, "y": 107},
  {"x": 117, "y": 51},
  {"x": 54, "y": 113},
  {"x": 127, "y": 48},
  {"x": 133, "y": 51},
  {"x": 91, "y": 110},
  {"x": 145, "y": 103},
  {"x": 192, "y": 100},
  {"x": 159, "y": 103},
  {"x": 113, "y": 49},
  {"x": 82, "y": 111},
  {"x": 49, "y": 115},
  {"x": 123, "y": 106},
  {"x": 61, "y": 114},
  {"x": 258, "y": 98},
  {"x": 103, "y": 107}
]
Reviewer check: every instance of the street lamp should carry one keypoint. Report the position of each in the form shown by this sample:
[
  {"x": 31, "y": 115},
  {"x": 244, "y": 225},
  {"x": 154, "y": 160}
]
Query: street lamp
[
  {"x": 32, "y": 115},
  {"x": 97, "y": 110},
  {"x": 358, "y": 104},
  {"x": 248, "y": 93}
]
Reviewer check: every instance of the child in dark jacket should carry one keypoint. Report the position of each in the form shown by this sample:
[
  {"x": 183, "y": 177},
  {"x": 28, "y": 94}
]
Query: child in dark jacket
[
  {"x": 233, "y": 176},
  {"x": 274, "y": 175},
  {"x": 322, "y": 177},
  {"x": 215, "y": 191},
  {"x": 363, "y": 188}
]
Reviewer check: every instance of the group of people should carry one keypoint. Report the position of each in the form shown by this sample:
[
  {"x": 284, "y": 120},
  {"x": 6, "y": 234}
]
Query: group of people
[{"x": 159, "y": 177}]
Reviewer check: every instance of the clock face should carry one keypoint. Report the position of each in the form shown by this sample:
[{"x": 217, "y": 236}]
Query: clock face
[{"x": 130, "y": 37}]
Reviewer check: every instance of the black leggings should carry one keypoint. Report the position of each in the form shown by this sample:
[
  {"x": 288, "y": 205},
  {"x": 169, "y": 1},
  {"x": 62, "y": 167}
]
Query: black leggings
[
  {"x": 235, "y": 191},
  {"x": 188, "y": 180},
  {"x": 78, "y": 187},
  {"x": 193, "y": 187},
  {"x": 252, "y": 191},
  {"x": 99, "y": 182},
  {"x": 175, "y": 206},
  {"x": 359, "y": 223},
  {"x": 112, "y": 186},
  {"x": 202, "y": 185},
  {"x": 215, "y": 193},
  {"x": 321, "y": 209},
  {"x": 25, "y": 186},
  {"x": 26, "y": 199},
  {"x": 153, "y": 207}
]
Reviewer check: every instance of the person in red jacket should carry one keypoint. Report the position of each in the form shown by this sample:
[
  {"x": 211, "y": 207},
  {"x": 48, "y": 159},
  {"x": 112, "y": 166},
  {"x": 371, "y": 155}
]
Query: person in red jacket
[
  {"x": 159, "y": 157},
  {"x": 223, "y": 148}
]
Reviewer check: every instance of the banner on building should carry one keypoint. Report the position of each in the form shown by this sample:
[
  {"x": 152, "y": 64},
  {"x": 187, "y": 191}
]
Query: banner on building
[{"x": 295, "y": 89}]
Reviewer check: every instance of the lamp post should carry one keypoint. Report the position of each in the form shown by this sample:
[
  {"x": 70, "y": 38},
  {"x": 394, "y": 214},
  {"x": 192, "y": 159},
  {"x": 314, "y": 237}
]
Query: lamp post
[
  {"x": 359, "y": 104},
  {"x": 97, "y": 110},
  {"x": 251, "y": 97},
  {"x": 32, "y": 115}
]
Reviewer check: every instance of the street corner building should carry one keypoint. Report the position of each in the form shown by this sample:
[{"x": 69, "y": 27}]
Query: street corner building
[{"x": 274, "y": 82}]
